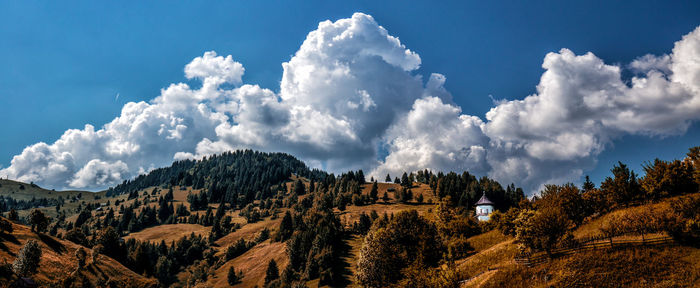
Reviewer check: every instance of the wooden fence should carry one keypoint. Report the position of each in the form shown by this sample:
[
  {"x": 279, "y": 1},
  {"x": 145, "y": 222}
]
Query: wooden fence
[{"x": 533, "y": 259}]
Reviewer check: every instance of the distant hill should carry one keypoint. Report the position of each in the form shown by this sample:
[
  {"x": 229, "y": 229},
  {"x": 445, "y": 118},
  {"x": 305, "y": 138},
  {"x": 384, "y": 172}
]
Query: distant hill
[
  {"x": 28, "y": 191},
  {"x": 241, "y": 173}
]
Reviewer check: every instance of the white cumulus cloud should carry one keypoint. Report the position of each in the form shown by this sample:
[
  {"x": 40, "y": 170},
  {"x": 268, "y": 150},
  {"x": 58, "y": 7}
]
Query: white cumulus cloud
[{"x": 351, "y": 98}]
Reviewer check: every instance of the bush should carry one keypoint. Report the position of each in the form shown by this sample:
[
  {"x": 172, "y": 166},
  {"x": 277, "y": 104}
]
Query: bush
[
  {"x": 38, "y": 220},
  {"x": 235, "y": 250},
  {"x": 541, "y": 230},
  {"x": 264, "y": 235},
  {"x": 5, "y": 226},
  {"x": 232, "y": 277},
  {"x": 80, "y": 254},
  {"x": 27, "y": 259},
  {"x": 684, "y": 224}
]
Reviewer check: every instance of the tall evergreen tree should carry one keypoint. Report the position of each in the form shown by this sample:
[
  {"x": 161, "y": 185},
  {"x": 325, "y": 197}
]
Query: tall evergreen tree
[
  {"x": 272, "y": 272},
  {"x": 373, "y": 193}
]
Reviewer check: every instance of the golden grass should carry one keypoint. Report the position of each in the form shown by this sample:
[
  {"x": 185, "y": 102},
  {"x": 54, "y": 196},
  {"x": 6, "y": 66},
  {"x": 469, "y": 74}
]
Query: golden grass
[
  {"x": 250, "y": 231},
  {"x": 352, "y": 213},
  {"x": 168, "y": 232},
  {"x": 253, "y": 263},
  {"x": 58, "y": 261},
  {"x": 11, "y": 188},
  {"x": 677, "y": 266},
  {"x": 496, "y": 256},
  {"x": 487, "y": 240},
  {"x": 637, "y": 267},
  {"x": 592, "y": 227}
]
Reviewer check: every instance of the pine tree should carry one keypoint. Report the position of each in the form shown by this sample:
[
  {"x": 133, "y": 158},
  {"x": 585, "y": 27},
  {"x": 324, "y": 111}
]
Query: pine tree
[
  {"x": 387, "y": 179},
  {"x": 405, "y": 182},
  {"x": 299, "y": 188},
  {"x": 232, "y": 277},
  {"x": 361, "y": 177},
  {"x": 81, "y": 255},
  {"x": 286, "y": 227},
  {"x": 588, "y": 185},
  {"x": 272, "y": 272},
  {"x": 373, "y": 193}
]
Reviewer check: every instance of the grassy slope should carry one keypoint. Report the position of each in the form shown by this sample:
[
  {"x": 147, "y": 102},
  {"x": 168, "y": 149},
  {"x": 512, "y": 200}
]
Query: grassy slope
[
  {"x": 58, "y": 261},
  {"x": 169, "y": 232},
  {"x": 10, "y": 188},
  {"x": 252, "y": 263},
  {"x": 676, "y": 266}
]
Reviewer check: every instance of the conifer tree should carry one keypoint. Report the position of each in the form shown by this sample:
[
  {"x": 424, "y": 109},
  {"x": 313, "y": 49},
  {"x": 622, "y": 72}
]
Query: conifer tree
[
  {"x": 272, "y": 272},
  {"x": 373, "y": 193}
]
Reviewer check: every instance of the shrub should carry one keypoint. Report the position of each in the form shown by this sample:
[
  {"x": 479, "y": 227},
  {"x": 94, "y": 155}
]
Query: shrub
[
  {"x": 80, "y": 254},
  {"x": 38, "y": 220},
  {"x": 541, "y": 230},
  {"x": 232, "y": 277},
  {"x": 5, "y": 226},
  {"x": 235, "y": 250},
  {"x": 684, "y": 224},
  {"x": 27, "y": 259}
]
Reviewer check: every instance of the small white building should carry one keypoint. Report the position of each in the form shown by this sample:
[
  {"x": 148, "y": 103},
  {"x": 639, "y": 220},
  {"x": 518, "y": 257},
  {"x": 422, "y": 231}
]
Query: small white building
[{"x": 484, "y": 208}]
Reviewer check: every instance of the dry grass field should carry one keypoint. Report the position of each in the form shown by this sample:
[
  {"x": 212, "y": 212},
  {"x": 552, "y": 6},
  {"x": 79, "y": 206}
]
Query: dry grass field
[
  {"x": 58, "y": 261},
  {"x": 168, "y": 232},
  {"x": 253, "y": 263},
  {"x": 674, "y": 266}
]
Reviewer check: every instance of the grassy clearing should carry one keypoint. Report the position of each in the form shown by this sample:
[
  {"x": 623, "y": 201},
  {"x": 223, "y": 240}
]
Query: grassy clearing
[
  {"x": 253, "y": 263},
  {"x": 495, "y": 257},
  {"x": 487, "y": 240},
  {"x": 636, "y": 267},
  {"x": 168, "y": 232},
  {"x": 592, "y": 227},
  {"x": 250, "y": 231}
]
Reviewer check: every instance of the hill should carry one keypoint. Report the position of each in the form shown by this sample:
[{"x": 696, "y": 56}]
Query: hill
[
  {"x": 223, "y": 220},
  {"x": 58, "y": 263},
  {"x": 675, "y": 265},
  {"x": 26, "y": 196}
]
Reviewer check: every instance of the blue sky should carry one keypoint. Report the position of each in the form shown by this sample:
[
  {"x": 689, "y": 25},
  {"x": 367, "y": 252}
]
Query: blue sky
[{"x": 65, "y": 64}]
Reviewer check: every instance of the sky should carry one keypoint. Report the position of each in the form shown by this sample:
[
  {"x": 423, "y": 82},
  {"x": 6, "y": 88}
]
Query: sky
[{"x": 155, "y": 84}]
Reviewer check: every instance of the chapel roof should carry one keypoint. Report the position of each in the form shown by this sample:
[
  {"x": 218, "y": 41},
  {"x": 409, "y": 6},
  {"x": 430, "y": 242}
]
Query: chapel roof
[{"x": 484, "y": 201}]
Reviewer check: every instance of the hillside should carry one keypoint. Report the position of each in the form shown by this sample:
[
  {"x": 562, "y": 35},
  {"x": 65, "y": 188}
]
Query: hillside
[
  {"x": 236, "y": 218},
  {"x": 32, "y": 196},
  {"x": 58, "y": 263},
  {"x": 663, "y": 266}
]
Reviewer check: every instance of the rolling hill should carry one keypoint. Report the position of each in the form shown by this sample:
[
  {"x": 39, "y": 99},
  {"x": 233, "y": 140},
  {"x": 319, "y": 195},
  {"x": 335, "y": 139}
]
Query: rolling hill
[{"x": 190, "y": 224}]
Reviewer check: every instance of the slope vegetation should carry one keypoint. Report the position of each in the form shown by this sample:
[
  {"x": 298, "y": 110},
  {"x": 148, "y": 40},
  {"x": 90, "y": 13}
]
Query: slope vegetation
[{"x": 58, "y": 263}]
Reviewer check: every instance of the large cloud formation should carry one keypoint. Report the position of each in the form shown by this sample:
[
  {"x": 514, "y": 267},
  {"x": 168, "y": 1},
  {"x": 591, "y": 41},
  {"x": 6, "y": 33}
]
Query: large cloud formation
[{"x": 351, "y": 91}]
